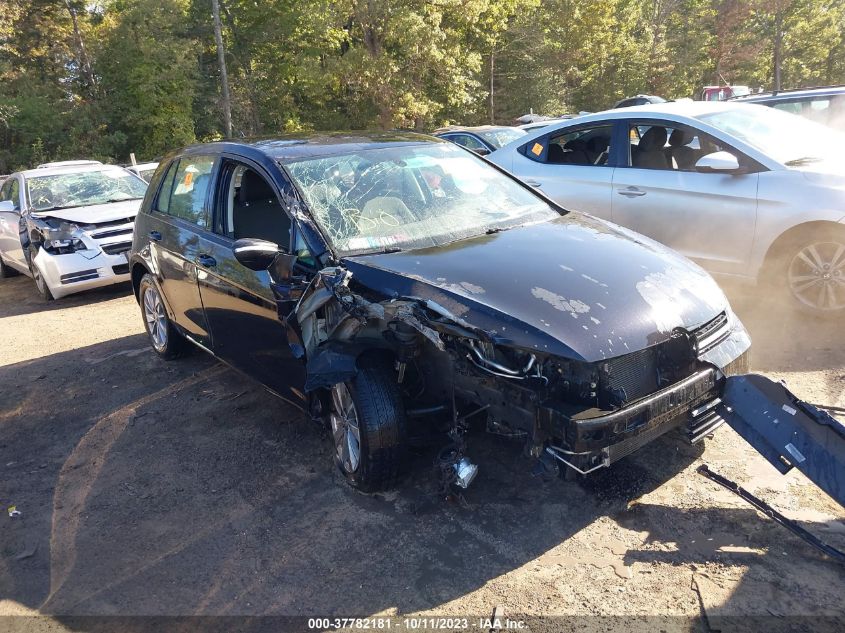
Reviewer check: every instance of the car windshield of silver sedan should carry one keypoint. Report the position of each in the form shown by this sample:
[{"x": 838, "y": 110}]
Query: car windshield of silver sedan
[
  {"x": 411, "y": 197},
  {"x": 66, "y": 190},
  {"x": 789, "y": 139}
]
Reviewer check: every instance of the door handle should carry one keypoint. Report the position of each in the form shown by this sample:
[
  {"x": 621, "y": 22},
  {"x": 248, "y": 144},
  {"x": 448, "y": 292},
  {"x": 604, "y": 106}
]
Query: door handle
[
  {"x": 206, "y": 261},
  {"x": 631, "y": 192},
  {"x": 533, "y": 183},
  {"x": 155, "y": 236}
]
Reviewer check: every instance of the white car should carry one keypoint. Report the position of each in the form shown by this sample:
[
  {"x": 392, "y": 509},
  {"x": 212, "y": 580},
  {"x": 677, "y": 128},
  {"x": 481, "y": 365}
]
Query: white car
[
  {"x": 69, "y": 227},
  {"x": 144, "y": 170},
  {"x": 746, "y": 191}
]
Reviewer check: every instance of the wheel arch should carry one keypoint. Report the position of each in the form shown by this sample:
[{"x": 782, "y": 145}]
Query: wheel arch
[
  {"x": 797, "y": 231},
  {"x": 138, "y": 271}
]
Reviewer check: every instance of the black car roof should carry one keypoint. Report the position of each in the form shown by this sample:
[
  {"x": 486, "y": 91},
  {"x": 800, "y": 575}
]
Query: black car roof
[{"x": 289, "y": 147}]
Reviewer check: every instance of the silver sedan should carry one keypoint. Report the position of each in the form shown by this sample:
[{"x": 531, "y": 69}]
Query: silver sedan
[{"x": 748, "y": 192}]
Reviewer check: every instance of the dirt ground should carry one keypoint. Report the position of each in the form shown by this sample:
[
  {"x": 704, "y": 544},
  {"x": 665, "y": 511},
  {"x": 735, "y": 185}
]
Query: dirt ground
[{"x": 182, "y": 488}]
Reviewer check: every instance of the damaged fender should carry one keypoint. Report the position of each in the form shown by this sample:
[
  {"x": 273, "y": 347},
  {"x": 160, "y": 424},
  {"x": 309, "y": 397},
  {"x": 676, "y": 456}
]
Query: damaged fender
[{"x": 327, "y": 319}]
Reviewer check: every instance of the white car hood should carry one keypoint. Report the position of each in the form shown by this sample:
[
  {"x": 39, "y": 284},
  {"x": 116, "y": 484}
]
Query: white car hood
[{"x": 94, "y": 214}]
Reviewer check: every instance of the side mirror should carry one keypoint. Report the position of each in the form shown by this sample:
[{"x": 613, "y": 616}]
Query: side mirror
[
  {"x": 718, "y": 162},
  {"x": 255, "y": 254},
  {"x": 481, "y": 151},
  {"x": 7, "y": 206}
]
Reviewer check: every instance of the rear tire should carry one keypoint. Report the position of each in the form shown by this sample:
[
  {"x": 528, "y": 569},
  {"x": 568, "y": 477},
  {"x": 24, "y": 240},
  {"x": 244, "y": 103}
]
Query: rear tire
[
  {"x": 809, "y": 270},
  {"x": 165, "y": 339},
  {"x": 368, "y": 426}
]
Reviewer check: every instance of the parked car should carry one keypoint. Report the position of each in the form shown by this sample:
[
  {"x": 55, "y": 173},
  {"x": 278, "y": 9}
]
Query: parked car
[
  {"x": 748, "y": 192},
  {"x": 722, "y": 93},
  {"x": 144, "y": 170},
  {"x": 394, "y": 283},
  {"x": 823, "y": 105},
  {"x": 481, "y": 139},
  {"x": 69, "y": 227},
  {"x": 69, "y": 163},
  {"x": 638, "y": 100}
]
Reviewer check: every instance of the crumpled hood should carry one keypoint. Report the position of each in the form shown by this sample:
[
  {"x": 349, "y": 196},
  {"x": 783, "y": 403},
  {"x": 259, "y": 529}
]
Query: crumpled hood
[
  {"x": 577, "y": 286},
  {"x": 94, "y": 214}
]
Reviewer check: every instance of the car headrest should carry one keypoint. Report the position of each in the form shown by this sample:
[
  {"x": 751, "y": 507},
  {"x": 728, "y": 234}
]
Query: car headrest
[
  {"x": 653, "y": 139},
  {"x": 254, "y": 188},
  {"x": 556, "y": 153},
  {"x": 598, "y": 143},
  {"x": 576, "y": 144},
  {"x": 678, "y": 138}
]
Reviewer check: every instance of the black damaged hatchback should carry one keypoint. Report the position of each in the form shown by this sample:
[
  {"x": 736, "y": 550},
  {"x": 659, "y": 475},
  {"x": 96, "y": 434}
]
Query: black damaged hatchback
[{"x": 395, "y": 286}]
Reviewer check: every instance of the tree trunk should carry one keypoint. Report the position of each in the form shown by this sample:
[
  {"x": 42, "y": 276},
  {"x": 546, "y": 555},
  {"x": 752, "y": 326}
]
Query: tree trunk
[
  {"x": 84, "y": 62},
  {"x": 777, "y": 51},
  {"x": 224, "y": 76},
  {"x": 492, "y": 111}
]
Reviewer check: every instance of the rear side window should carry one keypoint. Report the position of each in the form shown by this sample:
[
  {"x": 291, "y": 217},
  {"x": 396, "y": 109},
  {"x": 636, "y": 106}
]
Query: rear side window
[
  {"x": 187, "y": 183},
  {"x": 10, "y": 191}
]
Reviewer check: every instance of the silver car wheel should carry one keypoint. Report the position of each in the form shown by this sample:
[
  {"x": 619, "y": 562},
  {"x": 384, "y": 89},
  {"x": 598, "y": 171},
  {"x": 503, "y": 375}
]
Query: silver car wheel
[
  {"x": 39, "y": 279},
  {"x": 345, "y": 429},
  {"x": 817, "y": 276},
  {"x": 156, "y": 318}
]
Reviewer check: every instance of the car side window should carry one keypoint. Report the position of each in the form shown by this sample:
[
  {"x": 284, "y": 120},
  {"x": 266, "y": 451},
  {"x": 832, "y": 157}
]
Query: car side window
[
  {"x": 249, "y": 207},
  {"x": 191, "y": 181},
  {"x": 162, "y": 202},
  {"x": 585, "y": 146},
  {"x": 11, "y": 191},
  {"x": 793, "y": 107},
  {"x": 470, "y": 142}
]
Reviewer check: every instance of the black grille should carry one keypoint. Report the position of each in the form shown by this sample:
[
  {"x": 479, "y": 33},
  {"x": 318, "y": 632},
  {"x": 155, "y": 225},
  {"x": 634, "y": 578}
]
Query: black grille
[
  {"x": 115, "y": 249},
  {"x": 712, "y": 333},
  {"x": 111, "y": 233},
  {"x": 120, "y": 269},
  {"x": 82, "y": 275},
  {"x": 630, "y": 377}
]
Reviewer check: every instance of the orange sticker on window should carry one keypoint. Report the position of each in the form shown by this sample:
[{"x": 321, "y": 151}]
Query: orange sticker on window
[
  {"x": 537, "y": 149},
  {"x": 189, "y": 178}
]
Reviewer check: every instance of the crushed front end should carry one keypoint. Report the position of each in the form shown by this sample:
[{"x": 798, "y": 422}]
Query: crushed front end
[
  {"x": 76, "y": 256},
  {"x": 586, "y": 415}
]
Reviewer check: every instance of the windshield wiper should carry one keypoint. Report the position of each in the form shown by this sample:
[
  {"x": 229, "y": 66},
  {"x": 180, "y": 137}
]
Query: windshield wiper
[
  {"x": 796, "y": 162},
  {"x": 111, "y": 200},
  {"x": 495, "y": 229}
]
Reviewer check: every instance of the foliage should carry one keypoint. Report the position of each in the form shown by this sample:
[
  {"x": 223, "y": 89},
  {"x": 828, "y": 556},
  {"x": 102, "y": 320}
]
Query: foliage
[{"x": 103, "y": 78}]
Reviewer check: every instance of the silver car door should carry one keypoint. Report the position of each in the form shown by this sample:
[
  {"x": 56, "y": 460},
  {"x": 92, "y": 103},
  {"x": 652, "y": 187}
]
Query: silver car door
[
  {"x": 571, "y": 167},
  {"x": 10, "y": 221},
  {"x": 708, "y": 217}
]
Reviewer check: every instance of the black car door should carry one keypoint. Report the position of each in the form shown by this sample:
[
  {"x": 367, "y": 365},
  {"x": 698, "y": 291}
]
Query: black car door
[
  {"x": 239, "y": 305},
  {"x": 179, "y": 217}
]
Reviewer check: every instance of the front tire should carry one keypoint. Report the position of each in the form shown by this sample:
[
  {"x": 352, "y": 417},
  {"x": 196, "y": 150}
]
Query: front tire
[
  {"x": 40, "y": 284},
  {"x": 811, "y": 269},
  {"x": 165, "y": 339},
  {"x": 368, "y": 426}
]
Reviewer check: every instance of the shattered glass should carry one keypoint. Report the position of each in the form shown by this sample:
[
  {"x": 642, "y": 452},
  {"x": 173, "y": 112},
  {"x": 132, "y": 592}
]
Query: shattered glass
[
  {"x": 411, "y": 197},
  {"x": 66, "y": 190}
]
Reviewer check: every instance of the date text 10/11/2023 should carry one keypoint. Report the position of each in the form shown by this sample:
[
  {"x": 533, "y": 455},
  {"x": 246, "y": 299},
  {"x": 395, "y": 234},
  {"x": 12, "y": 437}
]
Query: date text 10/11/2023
[{"x": 495, "y": 623}]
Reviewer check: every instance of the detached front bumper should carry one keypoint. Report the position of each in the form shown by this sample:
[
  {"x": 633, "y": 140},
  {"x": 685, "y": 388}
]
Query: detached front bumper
[
  {"x": 101, "y": 261},
  {"x": 75, "y": 272}
]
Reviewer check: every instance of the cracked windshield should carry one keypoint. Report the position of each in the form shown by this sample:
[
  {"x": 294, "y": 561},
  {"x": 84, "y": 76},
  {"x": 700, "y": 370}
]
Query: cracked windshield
[
  {"x": 411, "y": 197},
  {"x": 63, "y": 191}
]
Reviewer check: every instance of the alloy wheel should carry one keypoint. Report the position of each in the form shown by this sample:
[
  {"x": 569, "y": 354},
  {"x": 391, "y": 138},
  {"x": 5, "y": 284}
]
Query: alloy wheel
[
  {"x": 816, "y": 276},
  {"x": 345, "y": 428},
  {"x": 156, "y": 318}
]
